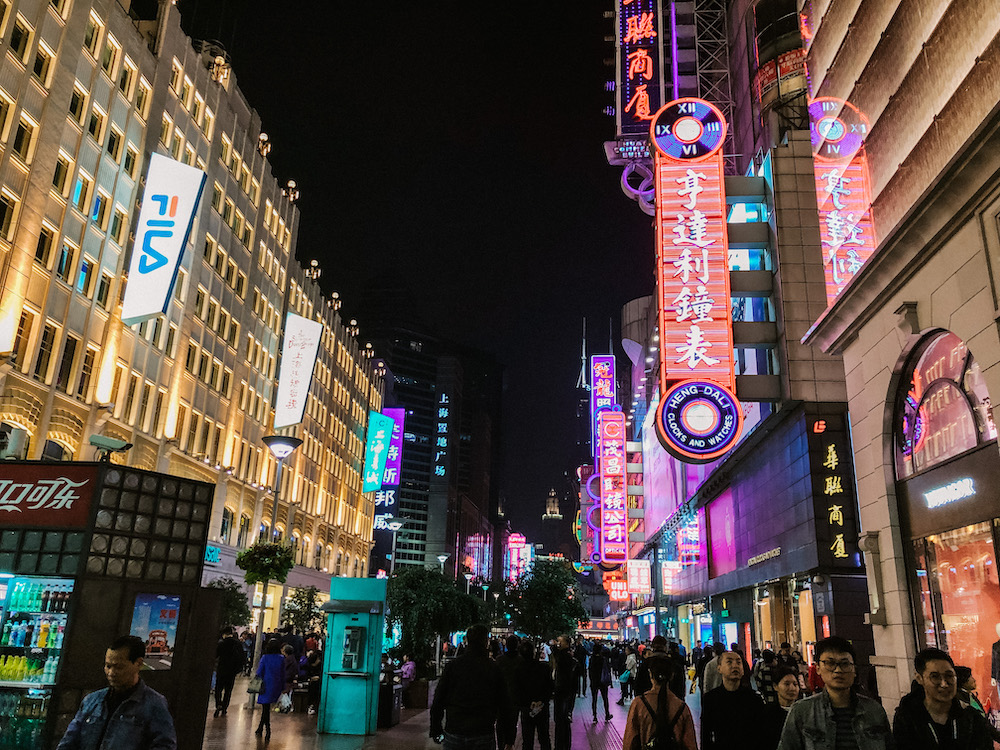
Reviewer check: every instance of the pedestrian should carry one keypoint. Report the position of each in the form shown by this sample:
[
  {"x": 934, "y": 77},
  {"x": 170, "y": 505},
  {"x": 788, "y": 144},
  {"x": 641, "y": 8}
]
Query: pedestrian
[
  {"x": 599, "y": 671},
  {"x": 292, "y": 669},
  {"x": 696, "y": 654},
  {"x": 784, "y": 656},
  {"x": 786, "y": 691},
  {"x": 735, "y": 648},
  {"x": 931, "y": 716},
  {"x": 471, "y": 695},
  {"x": 271, "y": 670},
  {"x": 627, "y": 677},
  {"x": 508, "y": 662},
  {"x": 580, "y": 654},
  {"x": 731, "y": 712},
  {"x": 677, "y": 681},
  {"x": 533, "y": 679},
  {"x": 967, "y": 693},
  {"x": 247, "y": 641},
  {"x": 659, "y": 716},
  {"x": 126, "y": 715},
  {"x": 641, "y": 681},
  {"x": 763, "y": 677},
  {"x": 837, "y": 717},
  {"x": 314, "y": 673},
  {"x": 564, "y": 692},
  {"x": 230, "y": 659},
  {"x": 288, "y": 636},
  {"x": 710, "y": 676}
]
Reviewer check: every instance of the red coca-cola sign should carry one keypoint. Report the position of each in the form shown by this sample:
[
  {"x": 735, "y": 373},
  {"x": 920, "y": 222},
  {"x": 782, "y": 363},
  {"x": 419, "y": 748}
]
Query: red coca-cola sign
[{"x": 46, "y": 494}]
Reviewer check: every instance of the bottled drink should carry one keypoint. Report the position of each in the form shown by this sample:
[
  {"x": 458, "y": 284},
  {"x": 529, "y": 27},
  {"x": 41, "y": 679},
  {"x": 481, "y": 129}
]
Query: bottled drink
[
  {"x": 28, "y": 633},
  {"x": 44, "y": 601},
  {"x": 15, "y": 596},
  {"x": 59, "y": 637},
  {"x": 5, "y": 638},
  {"x": 43, "y": 633}
]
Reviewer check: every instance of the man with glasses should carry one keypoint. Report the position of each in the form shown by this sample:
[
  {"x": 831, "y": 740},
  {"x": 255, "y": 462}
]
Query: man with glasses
[
  {"x": 931, "y": 716},
  {"x": 837, "y": 718}
]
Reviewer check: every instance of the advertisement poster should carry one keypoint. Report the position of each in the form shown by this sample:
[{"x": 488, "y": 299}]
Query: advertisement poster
[{"x": 154, "y": 619}]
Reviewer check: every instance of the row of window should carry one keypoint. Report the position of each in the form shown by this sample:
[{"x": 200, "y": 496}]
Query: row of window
[
  {"x": 264, "y": 310},
  {"x": 239, "y": 169},
  {"x": 191, "y": 100},
  {"x": 272, "y": 265},
  {"x": 199, "y": 435},
  {"x": 208, "y": 369},
  {"x": 259, "y": 358},
  {"x": 225, "y": 266},
  {"x": 252, "y": 403},
  {"x": 216, "y": 317},
  {"x": 232, "y": 216}
]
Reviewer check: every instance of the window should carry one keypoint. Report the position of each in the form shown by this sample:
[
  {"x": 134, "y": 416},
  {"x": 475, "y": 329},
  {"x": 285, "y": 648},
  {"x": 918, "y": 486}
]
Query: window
[
  {"x": 203, "y": 366},
  {"x": 209, "y": 124},
  {"x": 180, "y": 288},
  {"x": 61, "y": 173},
  {"x": 168, "y": 348},
  {"x": 147, "y": 396},
  {"x": 85, "y": 277},
  {"x": 154, "y": 425},
  {"x": 8, "y": 205},
  {"x": 86, "y": 373},
  {"x": 109, "y": 58},
  {"x": 165, "y": 124},
  {"x": 187, "y": 90},
  {"x": 133, "y": 386},
  {"x": 157, "y": 332},
  {"x": 43, "y": 64},
  {"x": 77, "y": 103},
  {"x": 95, "y": 126},
  {"x": 198, "y": 109},
  {"x": 231, "y": 272},
  {"x": 24, "y": 326},
  {"x": 192, "y": 355},
  {"x": 224, "y": 148},
  {"x": 54, "y": 451},
  {"x": 100, "y": 213},
  {"x": 115, "y": 141},
  {"x": 189, "y": 155},
  {"x": 227, "y": 211},
  {"x": 118, "y": 224},
  {"x": 5, "y": 106},
  {"x": 241, "y": 285},
  {"x": 217, "y": 197},
  {"x": 43, "y": 250},
  {"x": 93, "y": 35},
  {"x": 142, "y": 98},
  {"x": 81, "y": 192},
  {"x": 20, "y": 38},
  {"x": 176, "y": 71},
  {"x": 66, "y": 364},
  {"x": 243, "y": 536},
  {"x": 220, "y": 260},
  {"x": 24, "y": 138},
  {"x": 227, "y": 525},
  {"x": 45, "y": 347},
  {"x": 104, "y": 290},
  {"x": 59, "y": 6},
  {"x": 131, "y": 160},
  {"x": 126, "y": 78},
  {"x": 65, "y": 266},
  {"x": 255, "y": 192},
  {"x": 176, "y": 145},
  {"x": 245, "y": 179}
]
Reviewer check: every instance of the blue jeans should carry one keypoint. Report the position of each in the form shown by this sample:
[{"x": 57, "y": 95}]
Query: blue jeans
[{"x": 461, "y": 742}]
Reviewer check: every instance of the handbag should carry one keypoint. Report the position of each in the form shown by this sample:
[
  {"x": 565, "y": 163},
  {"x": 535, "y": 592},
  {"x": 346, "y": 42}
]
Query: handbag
[
  {"x": 625, "y": 676},
  {"x": 285, "y": 703},
  {"x": 256, "y": 685}
]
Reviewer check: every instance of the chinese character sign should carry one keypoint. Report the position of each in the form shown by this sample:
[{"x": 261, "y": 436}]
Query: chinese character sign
[
  {"x": 638, "y": 572},
  {"x": 833, "y": 491},
  {"x": 394, "y": 454},
  {"x": 46, "y": 495},
  {"x": 602, "y": 390},
  {"x": 843, "y": 190},
  {"x": 640, "y": 80},
  {"x": 440, "y": 435},
  {"x": 376, "y": 450},
  {"x": 298, "y": 360},
  {"x": 614, "y": 501}
]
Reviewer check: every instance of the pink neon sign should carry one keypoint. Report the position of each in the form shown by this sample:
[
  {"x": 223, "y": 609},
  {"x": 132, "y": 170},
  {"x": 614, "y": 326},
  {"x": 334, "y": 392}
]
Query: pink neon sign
[{"x": 614, "y": 505}]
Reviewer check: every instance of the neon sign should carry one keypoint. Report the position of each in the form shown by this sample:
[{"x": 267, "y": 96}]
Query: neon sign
[
  {"x": 519, "y": 554},
  {"x": 379, "y": 432},
  {"x": 843, "y": 190},
  {"x": 957, "y": 490},
  {"x": 614, "y": 506},
  {"x": 441, "y": 435},
  {"x": 639, "y": 81},
  {"x": 602, "y": 390},
  {"x": 394, "y": 455},
  {"x": 699, "y": 417}
]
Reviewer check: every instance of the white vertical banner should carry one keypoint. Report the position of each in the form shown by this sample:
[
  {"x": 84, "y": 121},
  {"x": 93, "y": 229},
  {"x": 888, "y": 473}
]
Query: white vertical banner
[
  {"x": 168, "y": 207},
  {"x": 638, "y": 574},
  {"x": 298, "y": 360}
]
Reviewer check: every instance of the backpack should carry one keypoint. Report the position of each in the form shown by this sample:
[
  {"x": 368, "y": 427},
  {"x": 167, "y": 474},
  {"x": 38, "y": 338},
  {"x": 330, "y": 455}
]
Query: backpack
[{"x": 664, "y": 740}]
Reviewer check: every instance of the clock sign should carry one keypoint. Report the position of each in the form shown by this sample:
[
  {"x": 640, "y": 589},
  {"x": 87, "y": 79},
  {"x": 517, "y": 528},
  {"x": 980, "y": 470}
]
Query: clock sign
[
  {"x": 688, "y": 130},
  {"x": 699, "y": 421},
  {"x": 837, "y": 129}
]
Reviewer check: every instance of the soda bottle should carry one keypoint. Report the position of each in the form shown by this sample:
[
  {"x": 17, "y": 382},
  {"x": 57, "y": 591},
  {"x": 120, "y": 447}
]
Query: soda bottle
[
  {"x": 59, "y": 637},
  {"x": 44, "y": 601},
  {"x": 14, "y": 601},
  {"x": 5, "y": 638},
  {"x": 43, "y": 633}
]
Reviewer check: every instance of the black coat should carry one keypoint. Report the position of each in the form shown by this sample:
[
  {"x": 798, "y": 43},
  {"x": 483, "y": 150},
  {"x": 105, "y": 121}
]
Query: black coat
[
  {"x": 231, "y": 658},
  {"x": 913, "y": 728}
]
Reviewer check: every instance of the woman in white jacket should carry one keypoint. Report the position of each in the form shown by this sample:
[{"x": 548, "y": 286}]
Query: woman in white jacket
[{"x": 631, "y": 662}]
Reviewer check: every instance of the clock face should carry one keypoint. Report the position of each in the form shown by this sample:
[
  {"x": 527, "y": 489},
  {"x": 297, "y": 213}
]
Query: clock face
[
  {"x": 837, "y": 129},
  {"x": 688, "y": 130}
]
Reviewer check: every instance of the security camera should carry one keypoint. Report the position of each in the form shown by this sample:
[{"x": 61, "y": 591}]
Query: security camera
[{"x": 105, "y": 443}]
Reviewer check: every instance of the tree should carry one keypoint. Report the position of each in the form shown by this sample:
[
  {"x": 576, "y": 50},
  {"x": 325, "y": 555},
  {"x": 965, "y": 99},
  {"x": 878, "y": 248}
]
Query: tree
[
  {"x": 266, "y": 561},
  {"x": 302, "y": 610},
  {"x": 235, "y": 608},
  {"x": 546, "y": 601},
  {"x": 426, "y": 604}
]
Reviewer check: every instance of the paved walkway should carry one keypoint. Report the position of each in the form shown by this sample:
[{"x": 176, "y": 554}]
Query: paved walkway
[{"x": 298, "y": 731}]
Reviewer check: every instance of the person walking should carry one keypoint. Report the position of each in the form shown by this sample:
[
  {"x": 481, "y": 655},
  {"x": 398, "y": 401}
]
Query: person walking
[
  {"x": 271, "y": 670},
  {"x": 786, "y": 691},
  {"x": 659, "y": 715},
  {"x": 230, "y": 659},
  {"x": 837, "y": 717},
  {"x": 631, "y": 665},
  {"x": 533, "y": 680},
  {"x": 731, "y": 713},
  {"x": 126, "y": 715},
  {"x": 931, "y": 716},
  {"x": 580, "y": 654},
  {"x": 710, "y": 676},
  {"x": 677, "y": 675},
  {"x": 508, "y": 662},
  {"x": 763, "y": 677},
  {"x": 599, "y": 671},
  {"x": 641, "y": 681},
  {"x": 471, "y": 695},
  {"x": 564, "y": 694}
]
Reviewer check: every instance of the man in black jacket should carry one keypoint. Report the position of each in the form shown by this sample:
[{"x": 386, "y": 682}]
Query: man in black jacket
[
  {"x": 729, "y": 711},
  {"x": 533, "y": 691},
  {"x": 473, "y": 694},
  {"x": 229, "y": 661},
  {"x": 564, "y": 676},
  {"x": 508, "y": 663},
  {"x": 931, "y": 716}
]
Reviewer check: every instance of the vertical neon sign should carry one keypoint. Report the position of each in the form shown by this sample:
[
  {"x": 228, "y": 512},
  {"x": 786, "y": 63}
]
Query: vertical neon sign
[
  {"x": 602, "y": 392},
  {"x": 640, "y": 80},
  {"x": 699, "y": 418},
  {"x": 441, "y": 435},
  {"x": 614, "y": 505},
  {"x": 843, "y": 190}
]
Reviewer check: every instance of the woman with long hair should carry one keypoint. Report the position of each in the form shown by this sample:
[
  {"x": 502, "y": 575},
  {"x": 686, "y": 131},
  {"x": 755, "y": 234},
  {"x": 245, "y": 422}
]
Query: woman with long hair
[
  {"x": 659, "y": 713},
  {"x": 271, "y": 670}
]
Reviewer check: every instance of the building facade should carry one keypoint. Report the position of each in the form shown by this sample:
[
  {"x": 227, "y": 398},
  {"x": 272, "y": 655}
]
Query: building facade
[{"x": 89, "y": 91}]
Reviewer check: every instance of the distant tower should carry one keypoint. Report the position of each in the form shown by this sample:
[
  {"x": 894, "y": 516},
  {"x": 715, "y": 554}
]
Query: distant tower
[{"x": 552, "y": 512}]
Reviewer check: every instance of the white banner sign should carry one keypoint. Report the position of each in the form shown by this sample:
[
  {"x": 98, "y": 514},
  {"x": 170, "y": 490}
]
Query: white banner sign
[
  {"x": 168, "y": 207},
  {"x": 298, "y": 360}
]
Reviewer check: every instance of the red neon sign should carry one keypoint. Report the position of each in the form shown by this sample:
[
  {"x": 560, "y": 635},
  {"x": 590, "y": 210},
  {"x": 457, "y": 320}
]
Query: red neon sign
[
  {"x": 639, "y": 84},
  {"x": 614, "y": 505}
]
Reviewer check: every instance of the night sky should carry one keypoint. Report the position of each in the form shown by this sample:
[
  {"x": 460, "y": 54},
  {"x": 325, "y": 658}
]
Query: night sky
[{"x": 461, "y": 145}]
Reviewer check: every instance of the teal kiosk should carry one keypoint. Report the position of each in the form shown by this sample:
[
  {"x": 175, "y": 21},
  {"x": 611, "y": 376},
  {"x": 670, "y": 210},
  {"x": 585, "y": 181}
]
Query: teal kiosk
[{"x": 355, "y": 626}]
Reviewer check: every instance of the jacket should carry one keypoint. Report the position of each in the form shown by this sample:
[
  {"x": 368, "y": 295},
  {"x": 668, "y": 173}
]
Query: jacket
[
  {"x": 231, "y": 658},
  {"x": 641, "y": 682},
  {"x": 141, "y": 722},
  {"x": 564, "y": 674},
  {"x": 640, "y": 725},
  {"x": 913, "y": 728},
  {"x": 811, "y": 726},
  {"x": 726, "y": 717},
  {"x": 533, "y": 682},
  {"x": 474, "y": 693},
  {"x": 271, "y": 670}
]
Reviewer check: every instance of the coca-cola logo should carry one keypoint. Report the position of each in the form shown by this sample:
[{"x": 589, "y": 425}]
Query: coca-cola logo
[{"x": 57, "y": 494}]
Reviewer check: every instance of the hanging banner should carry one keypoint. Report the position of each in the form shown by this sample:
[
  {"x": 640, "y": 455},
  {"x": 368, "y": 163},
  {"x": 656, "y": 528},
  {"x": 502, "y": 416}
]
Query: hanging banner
[
  {"x": 376, "y": 450},
  {"x": 298, "y": 360},
  {"x": 171, "y": 198},
  {"x": 638, "y": 572}
]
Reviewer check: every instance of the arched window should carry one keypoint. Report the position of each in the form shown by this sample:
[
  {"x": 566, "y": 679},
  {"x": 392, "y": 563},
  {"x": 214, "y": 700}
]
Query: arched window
[
  {"x": 942, "y": 408},
  {"x": 226, "y": 530},
  {"x": 243, "y": 538},
  {"x": 53, "y": 451}
]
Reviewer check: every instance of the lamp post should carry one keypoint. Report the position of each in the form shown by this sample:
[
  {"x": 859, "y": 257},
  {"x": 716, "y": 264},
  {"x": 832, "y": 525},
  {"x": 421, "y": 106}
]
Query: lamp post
[
  {"x": 496, "y": 602},
  {"x": 393, "y": 524},
  {"x": 468, "y": 580},
  {"x": 441, "y": 559},
  {"x": 281, "y": 447}
]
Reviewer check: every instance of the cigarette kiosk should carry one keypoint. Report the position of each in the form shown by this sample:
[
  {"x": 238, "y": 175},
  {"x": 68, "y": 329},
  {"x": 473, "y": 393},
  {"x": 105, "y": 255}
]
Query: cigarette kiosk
[{"x": 356, "y": 622}]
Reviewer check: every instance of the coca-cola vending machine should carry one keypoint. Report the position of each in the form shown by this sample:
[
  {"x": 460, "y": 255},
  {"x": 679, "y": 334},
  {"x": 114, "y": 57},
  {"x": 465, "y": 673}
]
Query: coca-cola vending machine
[{"x": 89, "y": 552}]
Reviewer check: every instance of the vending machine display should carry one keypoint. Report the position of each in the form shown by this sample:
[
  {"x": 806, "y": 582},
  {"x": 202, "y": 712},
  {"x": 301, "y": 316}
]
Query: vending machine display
[{"x": 32, "y": 628}]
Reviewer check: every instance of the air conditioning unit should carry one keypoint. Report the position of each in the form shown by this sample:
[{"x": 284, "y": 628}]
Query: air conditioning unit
[{"x": 14, "y": 445}]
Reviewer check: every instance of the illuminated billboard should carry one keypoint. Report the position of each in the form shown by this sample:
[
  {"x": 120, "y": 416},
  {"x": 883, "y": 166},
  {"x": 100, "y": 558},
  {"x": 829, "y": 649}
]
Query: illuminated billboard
[
  {"x": 602, "y": 391},
  {"x": 376, "y": 450},
  {"x": 298, "y": 360},
  {"x": 614, "y": 504},
  {"x": 394, "y": 455},
  {"x": 699, "y": 417},
  {"x": 169, "y": 203},
  {"x": 639, "y": 81},
  {"x": 638, "y": 573},
  {"x": 519, "y": 556}
]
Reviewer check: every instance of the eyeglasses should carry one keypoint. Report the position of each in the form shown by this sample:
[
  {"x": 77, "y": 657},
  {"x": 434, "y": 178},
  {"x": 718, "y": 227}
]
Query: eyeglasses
[
  {"x": 946, "y": 679},
  {"x": 838, "y": 666}
]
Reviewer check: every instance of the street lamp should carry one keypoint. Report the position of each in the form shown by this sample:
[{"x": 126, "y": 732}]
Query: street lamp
[
  {"x": 496, "y": 603},
  {"x": 281, "y": 447},
  {"x": 394, "y": 524},
  {"x": 468, "y": 580},
  {"x": 441, "y": 559}
]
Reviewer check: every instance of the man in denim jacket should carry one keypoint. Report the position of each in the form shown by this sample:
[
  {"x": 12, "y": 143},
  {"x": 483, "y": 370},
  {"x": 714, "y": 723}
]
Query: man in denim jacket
[
  {"x": 836, "y": 718},
  {"x": 125, "y": 716}
]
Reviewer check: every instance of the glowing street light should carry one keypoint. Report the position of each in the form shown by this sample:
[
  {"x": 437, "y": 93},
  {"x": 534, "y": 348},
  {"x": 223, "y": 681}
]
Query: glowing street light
[{"x": 468, "y": 580}]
